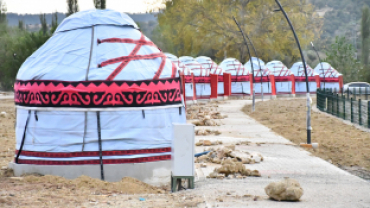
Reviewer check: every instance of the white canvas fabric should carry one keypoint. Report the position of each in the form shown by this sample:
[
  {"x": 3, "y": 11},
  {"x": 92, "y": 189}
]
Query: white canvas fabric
[
  {"x": 235, "y": 68},
  {"x": 260, "y": 70},
  {"x": 298, "y": 70},
  {"x": 210, "y": 65},
  {"x": 202, "y": 89},
  {"x": 187, "y": 72},
  {"x": 325, "y": 70},
  {"x": 65, "y": 57},
  {"x": 278, "y": 69}
]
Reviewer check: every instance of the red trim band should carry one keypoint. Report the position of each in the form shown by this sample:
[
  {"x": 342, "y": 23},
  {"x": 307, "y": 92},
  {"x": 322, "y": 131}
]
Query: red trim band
[
  {"x": 283, "y": 78},
  {"x": 92, "y": 153},
  {"x": 303, "y": 79},
  {"x": 241, "y": 78},
  {"x": 332, "y": 79},
  {"x": 257, "y": 79},
  {"x": 96, "y": 162},
  {"x": 97, "y": 94}
]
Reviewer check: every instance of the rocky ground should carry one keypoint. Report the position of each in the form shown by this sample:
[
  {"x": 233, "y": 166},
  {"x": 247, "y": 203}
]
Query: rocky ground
[{"x": 244, "y": 158}]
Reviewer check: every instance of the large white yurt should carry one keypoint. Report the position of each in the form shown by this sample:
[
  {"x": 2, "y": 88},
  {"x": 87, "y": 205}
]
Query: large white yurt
[
  {"x": 201, "y": 76},
  {"x": 300, "y": 79},
  {"x": 97, "y": 99},
  {"x": 329, "y": 77},
  {"x": 210, "y": 65},
  {"x": 283, "y": 77},
  {"x": 240, "y": 83},
  {"x": 187, "y": 72},
  {"x": 261, "y": 75}
]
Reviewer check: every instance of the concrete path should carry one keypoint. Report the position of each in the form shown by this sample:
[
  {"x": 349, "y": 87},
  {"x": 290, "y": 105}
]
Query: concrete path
[{"x": 324, "y": 184}]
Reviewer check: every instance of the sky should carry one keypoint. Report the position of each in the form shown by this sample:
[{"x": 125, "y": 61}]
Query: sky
[{"x": 50, "y": 6}]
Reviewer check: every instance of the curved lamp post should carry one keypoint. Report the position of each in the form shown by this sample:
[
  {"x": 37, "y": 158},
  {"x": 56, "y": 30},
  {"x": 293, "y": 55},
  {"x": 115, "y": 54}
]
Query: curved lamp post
[
  {"x": 259, "y": 65},
  {"x": 309, "y": 128},
  {"x": 317, "y": 53},
  {"x": 250, "y": 60}
]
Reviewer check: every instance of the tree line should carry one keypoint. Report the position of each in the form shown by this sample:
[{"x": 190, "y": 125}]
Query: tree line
[{"x": 193, "y": 27}]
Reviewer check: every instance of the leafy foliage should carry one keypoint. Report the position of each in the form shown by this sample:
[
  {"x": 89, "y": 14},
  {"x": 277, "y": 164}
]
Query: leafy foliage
[
  {"x": 365, "y": 38},
  {"x": 341, "y": 56},
  {"x": 192, "y": 27}
]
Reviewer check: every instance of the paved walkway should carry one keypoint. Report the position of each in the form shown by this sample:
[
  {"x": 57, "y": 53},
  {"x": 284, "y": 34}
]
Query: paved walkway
[{"x": 324, "y": 184}]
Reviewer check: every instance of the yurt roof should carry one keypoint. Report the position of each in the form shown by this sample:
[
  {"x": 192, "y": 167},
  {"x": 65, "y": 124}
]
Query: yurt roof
[
  {"x": 186, "y": 58},
  {"x": 324, "y": 69},
  {"x": 95, "y": 17},
  {"x": 255, "y": 59},
  {"x": 278, "y": 68},
  {"x": 233, "y": 66},
  {"x": 209, "y": 64},
  {"x": 176, "y": 61},
  {"x": 298, "y": 70},
  {"x": 257, "y": 67},
  {"x": 171, "y": 57},
  {"x": 83, "y": 52}
]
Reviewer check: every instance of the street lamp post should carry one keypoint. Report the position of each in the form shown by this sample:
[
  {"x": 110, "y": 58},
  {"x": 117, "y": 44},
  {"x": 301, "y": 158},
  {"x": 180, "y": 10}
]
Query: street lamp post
[
  {"x": 308, "y": 101},
  {"x": 259, "y": 65},
  {"x": 322, "y": 68},
  {"x": 250, "y": 60}
]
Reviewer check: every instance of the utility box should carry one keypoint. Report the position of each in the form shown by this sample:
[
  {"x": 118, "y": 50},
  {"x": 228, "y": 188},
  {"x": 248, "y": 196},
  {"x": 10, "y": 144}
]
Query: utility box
[{"x": 183, "y": 150}]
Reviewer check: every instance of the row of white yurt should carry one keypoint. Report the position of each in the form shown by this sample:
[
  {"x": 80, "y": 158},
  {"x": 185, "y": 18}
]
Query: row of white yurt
[
  {"x": 98, "y": 92},
  {"x": 283, "y": 75}
]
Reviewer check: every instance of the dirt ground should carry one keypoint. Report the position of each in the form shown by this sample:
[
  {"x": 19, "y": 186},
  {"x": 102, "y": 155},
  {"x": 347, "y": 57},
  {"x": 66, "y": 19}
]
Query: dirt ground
[
  {"x": 54, "y": 191},
  {"x": 341, "y": 144}
]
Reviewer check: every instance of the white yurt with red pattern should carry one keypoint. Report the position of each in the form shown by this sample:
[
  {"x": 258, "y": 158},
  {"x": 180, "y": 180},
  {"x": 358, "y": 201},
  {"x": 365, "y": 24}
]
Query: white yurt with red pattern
[
  {"x": 210, "y": 65},
  {"x": 240, "y": 79},
  {"x": 202, "y": 79},
  {"x": 98, "y": 93},
  {"x": 283, "y": 77}
]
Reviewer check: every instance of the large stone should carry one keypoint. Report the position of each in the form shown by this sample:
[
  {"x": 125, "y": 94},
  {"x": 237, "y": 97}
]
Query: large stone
[
  {"x": 207, "y": 143},
  {"x": 285, "y": 190}
]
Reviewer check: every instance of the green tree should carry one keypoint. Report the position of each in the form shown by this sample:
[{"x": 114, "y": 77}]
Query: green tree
[
  {"x": 72, "y": 7},
  {"x": 365, "y": 34},
  {"x": 100, "y": 4},
  {"x": 21, "y": 25},
  {"x": 54, "y": 23},
  {"x": 2, "y": 12},
  {"x": 341, "y": 56},
  {"x": 44, "y": 25},
  {"x": 17, "y": 46},
  {"x": 193, "y": 27}
]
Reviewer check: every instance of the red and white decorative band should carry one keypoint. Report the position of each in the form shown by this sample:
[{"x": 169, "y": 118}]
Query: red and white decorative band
[
  {"x": 84, "y": 158},
  {"x": 97, "y": 94}
]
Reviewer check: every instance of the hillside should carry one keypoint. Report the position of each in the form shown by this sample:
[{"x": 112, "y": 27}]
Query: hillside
[{"x": 341, "y": 18}]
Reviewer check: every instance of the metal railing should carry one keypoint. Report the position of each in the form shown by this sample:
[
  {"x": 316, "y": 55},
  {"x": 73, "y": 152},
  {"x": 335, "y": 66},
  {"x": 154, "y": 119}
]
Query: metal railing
[{"x": 354, "y": 107}]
